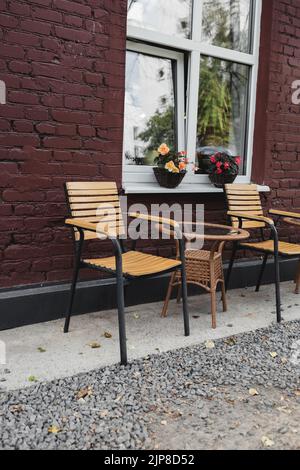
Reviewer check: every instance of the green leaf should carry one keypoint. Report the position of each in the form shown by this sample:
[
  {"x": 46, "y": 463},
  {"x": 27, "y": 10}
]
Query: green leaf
[{"x": 32, "y": 378}]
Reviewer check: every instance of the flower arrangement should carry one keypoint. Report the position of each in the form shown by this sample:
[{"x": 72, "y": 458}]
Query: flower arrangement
[
  {"x": 171, "y": 167},
  {"x": 223, "y": 163},
  {"x": 174, "y": 162},
  {"x": 223, "y": 168}
]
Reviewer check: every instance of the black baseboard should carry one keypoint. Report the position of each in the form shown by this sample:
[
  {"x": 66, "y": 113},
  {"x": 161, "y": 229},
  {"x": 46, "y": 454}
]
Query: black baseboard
[{"x": 25, "y": 306}]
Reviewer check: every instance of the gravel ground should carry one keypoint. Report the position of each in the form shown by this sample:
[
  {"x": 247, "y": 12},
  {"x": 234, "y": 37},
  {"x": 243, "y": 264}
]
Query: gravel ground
[{"x": 242, "y": 392}]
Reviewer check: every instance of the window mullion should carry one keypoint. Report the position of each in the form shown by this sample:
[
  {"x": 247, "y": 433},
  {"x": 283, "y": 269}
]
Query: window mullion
[
  {"x": 197, "y": 20},
  {"x": 226, "y": 54},
  {"x": 192, "y": 110}
]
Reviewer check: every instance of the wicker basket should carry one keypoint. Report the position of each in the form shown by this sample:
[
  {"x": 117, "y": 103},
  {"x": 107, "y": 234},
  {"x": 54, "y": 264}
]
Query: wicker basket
[
  {"x": 220, "y": 180},
  {"x": 166, "y": 179}
]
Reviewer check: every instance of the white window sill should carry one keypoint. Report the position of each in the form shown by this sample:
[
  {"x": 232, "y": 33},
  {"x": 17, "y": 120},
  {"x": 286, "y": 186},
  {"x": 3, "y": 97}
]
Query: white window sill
[{"x": 154, "y": 188}]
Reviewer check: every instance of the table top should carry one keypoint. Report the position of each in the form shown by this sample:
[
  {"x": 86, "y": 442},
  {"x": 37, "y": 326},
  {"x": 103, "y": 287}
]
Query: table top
[{"x": 210, "y": 231}]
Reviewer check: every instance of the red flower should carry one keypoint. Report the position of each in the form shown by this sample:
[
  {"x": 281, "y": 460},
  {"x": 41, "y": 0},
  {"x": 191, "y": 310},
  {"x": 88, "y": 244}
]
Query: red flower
[
  {"x": 219, "y": 164},
  {"x": 219, "y": 171},
  {"x": 226, "y": 165},
  {"x": 238, "y": 160},
  {"x": 213, "y": 159}
]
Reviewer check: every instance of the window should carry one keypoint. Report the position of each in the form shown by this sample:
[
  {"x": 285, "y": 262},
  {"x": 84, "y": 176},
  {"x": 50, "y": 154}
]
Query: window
[{"x": 191, "y": 73}]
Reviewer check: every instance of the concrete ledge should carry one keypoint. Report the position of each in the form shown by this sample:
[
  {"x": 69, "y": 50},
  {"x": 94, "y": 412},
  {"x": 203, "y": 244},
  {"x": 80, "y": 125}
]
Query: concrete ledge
[{"x": 25, "y": 306}]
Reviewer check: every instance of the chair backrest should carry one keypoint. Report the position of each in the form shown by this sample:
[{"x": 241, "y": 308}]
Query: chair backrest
[
  {"x": 244, "y": 198},
  {"x": 97, "y": 202}
]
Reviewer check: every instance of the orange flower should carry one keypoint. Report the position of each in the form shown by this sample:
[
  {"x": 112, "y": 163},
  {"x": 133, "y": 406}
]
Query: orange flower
[
  {"x": 163, "y": 149},
  {"x": 170, "y": 166},
  {"x": 182, "y": 166}
]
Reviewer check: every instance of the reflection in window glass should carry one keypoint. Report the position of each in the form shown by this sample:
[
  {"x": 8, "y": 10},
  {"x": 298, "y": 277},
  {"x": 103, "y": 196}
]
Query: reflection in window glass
[
  {"x": 222, "y": 110},
  {"x": 167, "y": 16},
  {"x": 149, "y": 107},
  {"x": 227, "y": 23}
]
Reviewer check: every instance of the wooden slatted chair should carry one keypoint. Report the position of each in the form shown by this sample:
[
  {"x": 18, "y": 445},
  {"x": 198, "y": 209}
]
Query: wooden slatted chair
[
  {"x": 95, "y": 211},
  {"x": 245, "y": 211}
]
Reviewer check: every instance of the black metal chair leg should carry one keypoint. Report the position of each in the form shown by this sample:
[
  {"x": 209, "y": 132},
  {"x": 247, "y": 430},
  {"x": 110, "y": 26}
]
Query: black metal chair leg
[
  {"x": 121, "y": 313},
  {"x": 74, "y": 282},
  {"x": 277, "y": 285},
  {"x": 229, "y": 271},
  {"x": 261, "y": 274},
  {"x": 277, "y": 275},
  {"x": 184, "y": 291}
]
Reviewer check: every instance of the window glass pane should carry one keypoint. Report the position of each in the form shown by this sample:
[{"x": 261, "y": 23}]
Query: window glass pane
[
  {"x": 227, "y": 23},
  {"x": 166, "y": 16},
  {"x": 149, "y": 107},
  {"x": 222, "y": 110}
]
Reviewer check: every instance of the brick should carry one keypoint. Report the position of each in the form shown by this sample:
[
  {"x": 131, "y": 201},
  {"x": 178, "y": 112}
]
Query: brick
[
  {"x": 71, "y": 34},
  {"x": 72, "y": 7},
  {"x": 19, "y": 67},
  {"x": 47, "y": 14},
  {"x": 23, "y": 126},
  {"x": 25, "y": 39},
  {"x": 19, "y": 8},
  {"x": 62, "y": 143},
  {"x": 36, "y": 27},
  {"x": 66, "y": 129},
  {"x": 11, "y": 51},
  {"x": 8, "y": 21},
  {"x": 45, "y": 128},
  {"x": 23, "y": 97},
  {"x": 70, "y": 117}
]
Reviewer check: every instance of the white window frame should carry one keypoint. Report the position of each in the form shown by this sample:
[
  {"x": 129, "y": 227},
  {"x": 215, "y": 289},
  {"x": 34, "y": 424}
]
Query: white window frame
[{"x": 196, "y": 47}]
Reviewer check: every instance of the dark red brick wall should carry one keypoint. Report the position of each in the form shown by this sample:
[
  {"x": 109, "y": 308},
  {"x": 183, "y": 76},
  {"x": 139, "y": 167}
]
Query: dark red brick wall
[
  {"x": 63, "y": 63},
  {"x": 277, "y": 137}
]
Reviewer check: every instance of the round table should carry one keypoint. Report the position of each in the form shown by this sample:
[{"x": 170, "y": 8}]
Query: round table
[{"x": 204, "y": 267}]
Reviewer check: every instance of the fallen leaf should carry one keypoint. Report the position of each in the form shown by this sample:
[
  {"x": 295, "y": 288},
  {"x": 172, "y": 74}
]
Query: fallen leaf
[
  {"x": 163, "y": 422},
  {"x": 285, "y": 409},
  {"x": 41, "y": 350},
  {"x": 209, "y": 344},
  {"x": 54, "y": 430},
  {"x": 136, "y": 316},
  {"x": 273, "y": 354},
  {"x": 267, "y": 442},
  {"x": 84, "y": 392},
  {"x": 284, "y": 360},
  {"x": 253, "y": 392},
  {"x": 103, "y": 413},
  {"x": 32, "y": 378},
  {"x": 107, "y": 335},
  {"x": 16, "y": 408},
  {"x": 95, "y": 345},
  {"x": 230, "y": 401},
  {"x": 297, "y": 393},
  {"x": 230, "y": 341}
]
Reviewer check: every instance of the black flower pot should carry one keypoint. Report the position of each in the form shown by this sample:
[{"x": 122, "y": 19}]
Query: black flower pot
[
  {"x": 220, "y": 180},
  {"x": 166, "y": 179}
]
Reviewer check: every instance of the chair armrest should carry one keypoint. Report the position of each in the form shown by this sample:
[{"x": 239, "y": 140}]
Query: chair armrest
[
  {"x": 88, "y": 225},
  {"x": 280, "y": 213},
  {"x": 257, "y": 218},
  {"x": 158, "y": 220}
]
